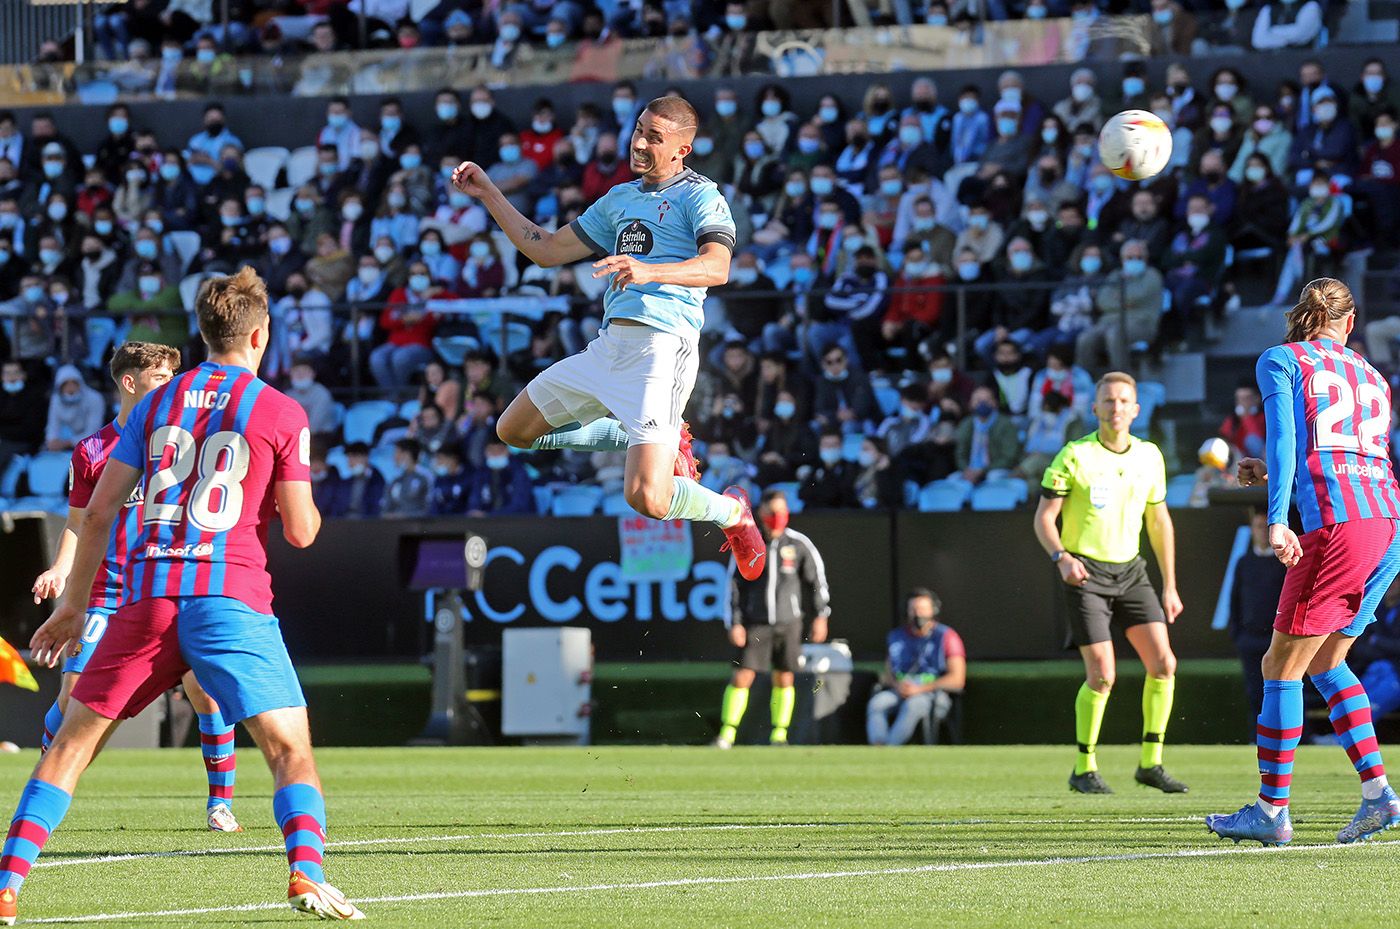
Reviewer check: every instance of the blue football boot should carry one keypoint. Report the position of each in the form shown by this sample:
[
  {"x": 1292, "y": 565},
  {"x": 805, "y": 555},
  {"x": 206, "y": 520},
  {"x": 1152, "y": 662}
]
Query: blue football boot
[
  {"x": 1252, "y": 823},
  {"x": 1374, "y": 817}
]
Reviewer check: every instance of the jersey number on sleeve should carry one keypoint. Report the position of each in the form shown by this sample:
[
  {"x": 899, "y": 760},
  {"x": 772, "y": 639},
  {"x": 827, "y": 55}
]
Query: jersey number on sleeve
[
  {"x": 216, "y": 500},
  {"x": 1375, "y": 411}
]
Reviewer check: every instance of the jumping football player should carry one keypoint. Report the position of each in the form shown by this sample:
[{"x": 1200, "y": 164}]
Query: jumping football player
[
  {"x": 137, "y": 368},
  {"x": 218, "y": 454},
  {"x": 1328, "y": 436},
  {"x": 663, "y": 238}
]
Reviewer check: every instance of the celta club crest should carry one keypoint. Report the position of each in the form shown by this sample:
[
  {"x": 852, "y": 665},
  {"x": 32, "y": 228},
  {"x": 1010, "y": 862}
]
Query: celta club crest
[{"x": 662, "y": 209}]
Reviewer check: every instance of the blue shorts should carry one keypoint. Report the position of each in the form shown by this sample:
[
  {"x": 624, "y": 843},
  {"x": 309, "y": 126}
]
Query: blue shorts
[
  {"x": 1376, "y": 586},
  {"x": 94, "y": 628}
]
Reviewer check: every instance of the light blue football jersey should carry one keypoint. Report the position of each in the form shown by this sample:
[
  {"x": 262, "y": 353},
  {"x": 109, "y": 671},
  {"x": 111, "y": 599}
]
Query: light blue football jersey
[{"x": 662, "y": 223}]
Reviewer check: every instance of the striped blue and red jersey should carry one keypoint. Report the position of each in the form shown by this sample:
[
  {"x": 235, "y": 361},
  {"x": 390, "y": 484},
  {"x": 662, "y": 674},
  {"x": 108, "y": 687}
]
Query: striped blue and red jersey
[
  {"x": 85, "y": 467},
  {"x": 1328, "y": 434},
  {"x": 211, "y": 444}
]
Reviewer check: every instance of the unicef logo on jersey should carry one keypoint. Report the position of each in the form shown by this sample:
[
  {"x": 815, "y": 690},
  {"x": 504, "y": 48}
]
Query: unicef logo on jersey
[
  {"x": 634, "y": 239},
  {"x": 1099, "y": 495}
]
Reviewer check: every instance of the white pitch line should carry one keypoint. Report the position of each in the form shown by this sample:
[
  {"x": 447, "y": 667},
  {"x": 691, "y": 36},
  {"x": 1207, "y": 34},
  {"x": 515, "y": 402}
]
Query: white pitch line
[
  {"x": 759, "y": 879},
  {"x": 583, "y": 833}
]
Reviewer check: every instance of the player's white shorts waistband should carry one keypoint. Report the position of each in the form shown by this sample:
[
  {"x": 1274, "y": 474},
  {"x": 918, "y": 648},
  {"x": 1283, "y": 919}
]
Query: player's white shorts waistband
[{"x": 638, "y": 375}]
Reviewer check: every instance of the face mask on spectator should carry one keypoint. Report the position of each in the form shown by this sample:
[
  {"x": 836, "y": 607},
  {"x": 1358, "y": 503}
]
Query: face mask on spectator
[
  {"x": 171, "y": 55},
  {"x": 830, "y": 456},
  {"x": 228, "y": 222},
  {"x": 430, "y": 248},
  {"x": 1325, "y": 112},
  {"x": 726, "y": 108},
  {"x": 744, "y": 277},
  {"x": 155, "y": 226},
  {"x": 828, "y": 114},
  {"x": 823, "y": 186},
  {"x": 50, "y": 256},
  {"x": 1198, "y": 222},
  {"x": 910, "y": 412},
  {"x": 1081, "y": 92},
  {"x": 1133, "y": 86},
  {"x": 135, "y": 178},
  {"x": 868, "y": 458},
  {"x": 622, "y": 107},
  {"x": 555, "y": 39},
  {"x": 482, "y": 109},
  {"x": 33, "y": 294},
  {"x": 1006, "y": 126},
  {"x": 352, "y": 211},
  {"x": 1263, "y": 126},
  {"x": 510, "y": 154},
  {"x": 784, "y": 409},
  {"x": 497, "y": 462},
  {"x": 256, "y": 206},
  {"x": 369, "y": 151},
  {"x": 852, "y": 243},
  {"x": 1011, "y": 94},
  {"x": 771, "y": 108},
  {"x": 510, "y": 32},
  {"x": 1372, "y": 83},
  {"x": 892, "y": 187},
  {"x": 794, "y": 189},
  {"x": 480, "y": 250},
  {"x": 117, "y": 125},
  {"x": 1038, "y": 219},
  {"x": 446, "y": 111},
  {"x": 704, "y": 146},
  {"x": 941, "y": 375},
  {"x": 753, "y": 150},
  {"x": 367, "y": 275},
  {"x": 385, "y": 253},
  {"x": 328, "y": 168},
  {"x": 808, "y": 146},
  {"x": 542, "y": 126},
  {"x": 915, "y": 269},
  {"x": 1134, "y": 267},
  {"x": 923, "y": 223},
  {"x": 1254, "y": 173},
  {"x": 968, "y": 270},
  {"x": 419, "y": 283},
  {"x": 146, "y": 248},
  {"x": 410, "y": 161},
  {"x": 1049, "y": 135},
  {"x": 13, "y": 387},
  {"x": 150, "y": 286},
  {"x": 337, "y": 120},
  {"x": 59, "y": 296},
  {"x": 1384, "y": 134},
  {"x": 1101, "y": 183},
  {"x": 910, "y": 136},
  {"x": 357, "y": 470},
  {"x": 1319, "y": 191},
  {"x": 391, "y": 124},
  {"x": 458, "y": 200},
  {"x": 205, "y": 56},
  {"x": 967, "y": 105},
  {"x": 803, "y": 275},
  {"x": 1162, "y": 17},
  {"x": 1021, "y": 261},
  {"x": 979, "y": 221},
  {"x": 279, "y": 245},
  {"x": 102, "y": 226},
  {"x": 58, "y": 212},
  {"x": 1235, "y": 4},
  {"x": 983, "y": 410},
  {"x": 1226, "y": 91},
  {"x": 1221, "y": 124},
  {"x": 937, "y": 19}
]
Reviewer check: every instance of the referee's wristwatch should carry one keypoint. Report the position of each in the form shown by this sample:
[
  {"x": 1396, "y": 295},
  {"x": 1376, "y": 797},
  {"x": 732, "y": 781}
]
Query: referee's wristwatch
[{"x": 1058, "y": 555}]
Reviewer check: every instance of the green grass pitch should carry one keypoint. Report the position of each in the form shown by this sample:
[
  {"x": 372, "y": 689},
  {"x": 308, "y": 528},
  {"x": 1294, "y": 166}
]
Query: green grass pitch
[{"x": 673, "y": 837}]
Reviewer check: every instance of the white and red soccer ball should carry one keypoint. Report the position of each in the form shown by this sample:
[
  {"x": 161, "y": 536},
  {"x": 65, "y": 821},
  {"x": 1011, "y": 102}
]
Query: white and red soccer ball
[{"x": 1135, "y": 145}]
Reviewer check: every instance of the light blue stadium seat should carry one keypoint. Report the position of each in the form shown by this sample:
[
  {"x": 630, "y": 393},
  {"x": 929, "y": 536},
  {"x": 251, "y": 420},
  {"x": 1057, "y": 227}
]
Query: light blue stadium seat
[
  {"x": 6, "y": 504},
  {"x": 1179, "y": 490},
  {"x": 364, "y": 417},
  {"x": 944, "y": 496},
  {"x": 409, "y": 409},
  {"x": 791, "y": 490},
  {"x": 850, "y": 445},
  {"x": 544, "y": 495},
  {"x": 1017, "y": 486},
  {"x": 616, "y": 505},
  {"x": 48, "y": 473},
  {"x": 995, "y": 496},
  {"x": 576, "y": 501},
  {"x": 382, "y": 460},
  {"x": 1151, "y": 395},
  {"x": 453, "y": 348},
  {"x": 46, "y": 503},
  {"x": 888, "y": 399},
  {"x": 335, "y": 458},
  {"x": 911, "y": 493},
  {"x": 9, "y": 480}
]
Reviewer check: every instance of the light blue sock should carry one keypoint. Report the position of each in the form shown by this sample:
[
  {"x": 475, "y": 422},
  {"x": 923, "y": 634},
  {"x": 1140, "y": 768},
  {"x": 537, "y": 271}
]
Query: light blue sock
[
  {"x": 700, "y": 504},
  {"x": 301, "y": 813},
  {"x": 601, "y": 435},
  {"x": 52, "y": 720}
]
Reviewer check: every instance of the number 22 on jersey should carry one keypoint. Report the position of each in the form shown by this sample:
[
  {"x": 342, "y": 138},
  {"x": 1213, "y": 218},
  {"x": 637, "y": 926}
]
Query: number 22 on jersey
[
  {"x": 1343, "y": 401},
  {"x": 215, "y": 501}
]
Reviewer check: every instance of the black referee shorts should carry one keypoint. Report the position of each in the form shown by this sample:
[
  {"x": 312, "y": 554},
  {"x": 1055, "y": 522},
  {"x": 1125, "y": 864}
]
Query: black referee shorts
[
  {"x": 772, "y": 648},
  {"x": 1114, "y": 595}
]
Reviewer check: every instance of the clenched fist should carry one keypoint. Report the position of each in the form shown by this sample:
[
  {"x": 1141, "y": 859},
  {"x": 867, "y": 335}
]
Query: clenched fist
[{"x": 470, "y": 178}]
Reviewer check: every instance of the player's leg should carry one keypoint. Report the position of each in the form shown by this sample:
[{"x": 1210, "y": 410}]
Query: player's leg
[
  {"x": 522, "y": 423},
  {"x": 54, "y": 717},
  {"x": 94, "y": 627},
  {"x": 220, "y": 758},
  {"x": 787, "y": 652}
]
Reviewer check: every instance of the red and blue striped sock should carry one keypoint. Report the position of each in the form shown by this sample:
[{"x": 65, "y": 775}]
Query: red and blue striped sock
[
  {"x": 220, "y": 760},
  {"x": 1349, "y": 708},
  {"x": 301, "y": 813},
  {"x": 1279, "y": 729},
  {"x": 52, "y": 720},
  {"x": 42, "y": 807}
]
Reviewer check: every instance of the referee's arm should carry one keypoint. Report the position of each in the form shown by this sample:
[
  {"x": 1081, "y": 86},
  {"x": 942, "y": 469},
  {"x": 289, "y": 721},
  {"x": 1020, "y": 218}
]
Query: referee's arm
[
  {"x": 1047, "y": 532},
  {"x": 1162, "y": 534}
]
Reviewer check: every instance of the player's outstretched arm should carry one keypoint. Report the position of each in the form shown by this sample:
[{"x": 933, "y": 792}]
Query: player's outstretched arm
[
  {"x": 65, "y": 625},
  {"x": 710, "y": 268},
  {"x": 544, "y": 248},
  {"x": 301, "y": 521},
  {"x": 52, "y": 582}
]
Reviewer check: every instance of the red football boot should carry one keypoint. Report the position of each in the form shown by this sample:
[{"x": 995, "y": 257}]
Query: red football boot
[
  {"x": 744, "y": 539},
  {"x": 685, "y": 456}
]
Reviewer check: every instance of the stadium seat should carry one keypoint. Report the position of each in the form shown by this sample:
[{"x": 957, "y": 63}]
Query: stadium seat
[
  {"x": 279, "y": 203},
  {"x": 262, "y": 165},
  {"x": 41, "y": 504},
  {"x": 517, "y": 337},
  {"x": 364, "y": 417},
  {"x": 189, "y": 289},
  {"x": 48, "y": 473},
  {"x": 1151, "y": 395},
  {"x": 850, "y": 445},
  {"x": 943, "y": 496},
  {"x": 1014, "y": 484},
  {"x": 790, "y": 489},
  {"x": 617, "y": 505},
  {"x": 995, "y": 496},
  {"x": 301, "y": 165},
  {"x": 452, "y": 349},
  {"x": 888, "y": 399},
  {"x": 186, "y": 243},
  {"x": 409, "y": 410},
  {"x": 335, "y": 458},
  {"x": 576, "y": 501},
  {"x": 6, "y": 504},
  {"x": 382, "y": 460},
  {"x": 1179, "y": 490},
  {"x": 9, "y": 479},
  {"x": 98, "y": 93},
  {"x": 911, "y": 494},
  {"x": 544, "y": 496}
]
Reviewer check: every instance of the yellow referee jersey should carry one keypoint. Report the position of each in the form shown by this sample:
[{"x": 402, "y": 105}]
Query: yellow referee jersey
[{"x": 1106, "y": 494}]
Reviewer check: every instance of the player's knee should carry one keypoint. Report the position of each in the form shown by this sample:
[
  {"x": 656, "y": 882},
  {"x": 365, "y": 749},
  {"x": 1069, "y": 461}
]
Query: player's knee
[
  {"x": 654, "y": 502},
  {"x": 511, "y": 434},
  {"x": 1101, "y": 680},
  {"x": 1166, "y": 666}
]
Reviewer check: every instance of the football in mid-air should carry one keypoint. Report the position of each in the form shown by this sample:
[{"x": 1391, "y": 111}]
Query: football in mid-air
[{"x": 1135, "y": 145}]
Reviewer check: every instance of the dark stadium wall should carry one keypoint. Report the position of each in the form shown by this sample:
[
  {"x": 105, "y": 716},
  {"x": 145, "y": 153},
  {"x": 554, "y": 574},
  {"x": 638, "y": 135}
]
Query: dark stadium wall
[{"x": 176, "y": 120}]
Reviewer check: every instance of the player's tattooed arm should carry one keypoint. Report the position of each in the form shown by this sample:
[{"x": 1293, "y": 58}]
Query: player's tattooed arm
[{"x": 531, "y": 232}]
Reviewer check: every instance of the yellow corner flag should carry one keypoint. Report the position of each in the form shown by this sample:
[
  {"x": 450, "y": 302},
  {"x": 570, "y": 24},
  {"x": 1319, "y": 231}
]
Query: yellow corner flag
[{"x": 13, "y": 670}]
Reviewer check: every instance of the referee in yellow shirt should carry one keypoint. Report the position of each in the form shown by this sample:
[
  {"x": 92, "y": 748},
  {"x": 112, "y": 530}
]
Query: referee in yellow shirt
[{"x": 1103, "y": 486}]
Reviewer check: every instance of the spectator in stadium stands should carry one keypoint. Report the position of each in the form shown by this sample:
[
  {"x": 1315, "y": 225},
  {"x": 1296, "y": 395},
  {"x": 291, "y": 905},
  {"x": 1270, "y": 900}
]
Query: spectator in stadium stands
[
  {"x": 1047, "y": 430},
  {"x": 97, "y": 273},
  {"x": 705, "y": 158},
  {"x": 1266, "y": 136},
  {"x": 751, "y": 306},
  {"x": 409, "y": 494},
  {"x": 443, "y": 267},
  {"x": 1009, "y": 150},
  {"x": 1130, "y": 304},
  {"x": 1083, "y": 154},
  {"x": 21, "y": 413},
  {"x": 432, "y": 430},
  {"x": 1063, "y": 377},
  {"x": 1072, "y": 302},
  {"x": 283, "y": 258},
  {"x": 879, "y": 484},
  {"x": 1011, "y": 377},
  {"x": 360, "y": 493},
  {"x": 776, "y": 375},
  {"x": 983, "y": 237},
  {"x": 1327, "y": 144},
  {"x": 351, "y": 229},
  {"x": 857, "y": 302},
  {"x": 606, "y": 169},
  {"x": 915, "y": 310},
  {"x": 971, "y": 127},
  {"x": 410, "y": 327},
  {"x": 778, "y": 124},
  {"x": 843, "y": 400},
  {"x": 502, "y": 487},
  {"x": 1220, "y": 135},
  {"x": 449, "y": 133},
  {"x": 831, "y": 483},
  {"x": 987, "y": 442},
  {"x": 1193, "y": 263},
  {"x": 925, "y": 664},
  {"x": 1371, "y": 96},
  {"x": 1019, "y": 307},
  {"x": 1314, "y": 237},
  {"x": 30, "y": 313},
  {"x": 42, "y": 131},
  {"x": 483, "y": 274},
  {"x": 11, "y": 187},
  {"x": 1244, "y": 427},
  {"x": 11, "y": 273},
  {"x": 477, "y": 428},
  {"x": 1287, "y": 24},
  {"x": 394, "y": 220},
  {"x": 395, "y": 132},
  {"x": 451, "y": 482},
  {"x": 53, "y": 260},
  {"x": 76, "y": 411},
  {"x": 784, "y": 445},
  {"x": 539, "y": 142},
  {"x": 513, "y": 173},
  {"x": 1254, "y": 605},
  {"x": 1047, "y": 183},
  {"x": 215, "y": 135},
  {"x": 486, "y": 124},
  {"x": 156, "y": 310},
  {"x": 1379, "y": 180},
  {"x": 723, "y": 469},
  {"x": 340, "y": 131},
  {"x": 13, "y": 145},
  {"x": 1082, "y": 106},
  {"x": 909, "y": 424},
  {"x": 1173, "y": 28},
  {"x": 416, "y": 179},
  {"x": 309, "y": 218},
  {"x": 313, "y": 397},
  {"x": 1262, "y": 217},
  {"x": 331, "y": 269}
]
